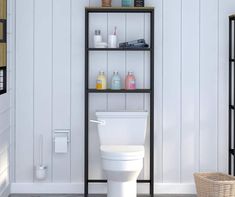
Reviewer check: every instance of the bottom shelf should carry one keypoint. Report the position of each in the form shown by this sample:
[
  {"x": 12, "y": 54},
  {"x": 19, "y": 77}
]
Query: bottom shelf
[{"x": 104, "y": 181}]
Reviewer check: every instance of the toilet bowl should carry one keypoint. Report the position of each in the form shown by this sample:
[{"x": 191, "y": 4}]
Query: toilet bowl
[
  {"x": 122, "y": 137},
  {"x": 122, "y": 165}
]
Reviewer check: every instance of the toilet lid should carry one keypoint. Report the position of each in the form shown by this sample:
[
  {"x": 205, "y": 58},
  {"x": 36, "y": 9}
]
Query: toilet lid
[{"x": 122, "y": 152}]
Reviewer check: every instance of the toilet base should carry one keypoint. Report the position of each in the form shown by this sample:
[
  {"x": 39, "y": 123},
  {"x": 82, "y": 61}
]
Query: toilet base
[{"x": 122, "y": 189}]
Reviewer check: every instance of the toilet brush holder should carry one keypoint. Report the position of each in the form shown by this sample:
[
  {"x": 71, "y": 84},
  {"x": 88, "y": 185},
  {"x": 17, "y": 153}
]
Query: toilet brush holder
[{"x": 41, "y": 172}]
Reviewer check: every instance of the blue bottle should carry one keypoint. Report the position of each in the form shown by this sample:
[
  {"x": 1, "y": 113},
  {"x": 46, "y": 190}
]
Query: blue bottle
[
  {"x": 116, "y": 81},
  {"x": 127, "y": 3}
]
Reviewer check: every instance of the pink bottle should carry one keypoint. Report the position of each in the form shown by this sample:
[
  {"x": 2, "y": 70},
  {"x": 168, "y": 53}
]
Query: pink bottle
[{"x": 130, "y": 81}]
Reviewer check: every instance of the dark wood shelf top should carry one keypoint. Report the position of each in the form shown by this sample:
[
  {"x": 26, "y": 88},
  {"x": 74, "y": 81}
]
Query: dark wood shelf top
[
  {"x": 119, "y": 49},
  {"x": 120, "y": 91},
  {"x": 120, "y": 9}
]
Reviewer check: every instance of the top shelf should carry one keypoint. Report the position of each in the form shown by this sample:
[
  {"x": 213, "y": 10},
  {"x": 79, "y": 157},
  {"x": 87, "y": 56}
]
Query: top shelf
[{"x": 120, "y": 9}]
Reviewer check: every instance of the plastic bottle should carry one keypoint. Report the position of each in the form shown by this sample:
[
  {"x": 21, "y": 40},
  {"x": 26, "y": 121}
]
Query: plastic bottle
[
  {"x": 130, "y": 83},
  {"x": 116, "y": 81},
  {"x": 101, "y": 83},
  {"x": 97, "y": 38},
  {"x": 127, "y": 3}
]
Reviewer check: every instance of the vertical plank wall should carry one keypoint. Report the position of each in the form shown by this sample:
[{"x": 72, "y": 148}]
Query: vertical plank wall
[
  {"x": 190, "y": 84},
  {"x": 6, "y": 109}
]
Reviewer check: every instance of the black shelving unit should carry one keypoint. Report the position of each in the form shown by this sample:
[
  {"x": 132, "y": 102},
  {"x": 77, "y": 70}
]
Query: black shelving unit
[
  {"x": 231, "y": 123},
  {"x": 3, "y": 68},
  {"x": 89, "y": 91}
]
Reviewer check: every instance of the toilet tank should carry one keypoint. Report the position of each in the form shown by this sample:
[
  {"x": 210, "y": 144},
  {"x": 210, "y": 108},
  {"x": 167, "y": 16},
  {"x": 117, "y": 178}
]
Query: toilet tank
[{"x": 122, "y": 128}]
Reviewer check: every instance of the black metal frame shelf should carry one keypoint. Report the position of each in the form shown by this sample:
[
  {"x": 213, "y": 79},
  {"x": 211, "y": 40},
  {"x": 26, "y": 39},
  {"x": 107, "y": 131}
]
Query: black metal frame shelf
[
  {"x": 231, "y": 111},
  {"x": 149, "y": 91},
  {"x": 3, "y": 70}
]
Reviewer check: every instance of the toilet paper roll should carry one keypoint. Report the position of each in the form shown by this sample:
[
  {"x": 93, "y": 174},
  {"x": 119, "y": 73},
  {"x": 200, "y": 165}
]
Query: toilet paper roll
[{"x": 61, "y": 144}]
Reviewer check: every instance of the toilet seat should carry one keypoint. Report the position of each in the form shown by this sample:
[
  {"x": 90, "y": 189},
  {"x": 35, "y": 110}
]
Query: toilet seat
[{"x": 122, "y": 152}]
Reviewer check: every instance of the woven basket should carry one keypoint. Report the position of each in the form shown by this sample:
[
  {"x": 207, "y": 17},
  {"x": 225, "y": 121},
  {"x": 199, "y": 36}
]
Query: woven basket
[
  {"x": 106, "y": 3},
  {"x": 214, "y": 185}
]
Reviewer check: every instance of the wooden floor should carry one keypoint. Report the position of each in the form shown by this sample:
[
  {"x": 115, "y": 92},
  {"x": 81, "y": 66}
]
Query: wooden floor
[{"x": 96, "y": 195}]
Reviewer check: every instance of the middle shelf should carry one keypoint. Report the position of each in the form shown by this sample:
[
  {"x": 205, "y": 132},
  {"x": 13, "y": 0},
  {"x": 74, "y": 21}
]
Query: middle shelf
[
  {"x": 120, "y": 91},
  {"x": 119, "y": 49}
]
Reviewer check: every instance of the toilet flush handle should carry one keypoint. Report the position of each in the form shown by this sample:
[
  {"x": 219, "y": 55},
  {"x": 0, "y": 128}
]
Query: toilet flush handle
[{"x": 98, "y": 122}]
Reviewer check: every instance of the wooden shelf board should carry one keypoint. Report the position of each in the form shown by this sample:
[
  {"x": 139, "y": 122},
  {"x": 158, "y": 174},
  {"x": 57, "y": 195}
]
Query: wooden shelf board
[{"x": 120, "y": 9}]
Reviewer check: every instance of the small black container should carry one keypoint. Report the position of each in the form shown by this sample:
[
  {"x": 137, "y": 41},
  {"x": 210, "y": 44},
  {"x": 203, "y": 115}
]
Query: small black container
[{"x": 139, "y": 3}]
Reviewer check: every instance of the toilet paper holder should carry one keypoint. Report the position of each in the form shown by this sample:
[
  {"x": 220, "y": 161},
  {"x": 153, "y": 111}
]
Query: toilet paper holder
[
  {"x": 61, "y": 141},
  {"x": 62, "y": 133}
]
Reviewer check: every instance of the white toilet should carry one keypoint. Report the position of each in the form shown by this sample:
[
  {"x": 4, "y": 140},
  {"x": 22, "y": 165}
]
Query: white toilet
[{"x": 122, "y": 137}]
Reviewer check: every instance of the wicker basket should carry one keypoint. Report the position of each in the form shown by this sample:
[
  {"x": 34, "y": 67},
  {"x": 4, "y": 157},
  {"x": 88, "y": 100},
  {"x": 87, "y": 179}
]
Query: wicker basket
[
  {"x": 106, "y": 3},
  {"x": 214, "y": 185}
]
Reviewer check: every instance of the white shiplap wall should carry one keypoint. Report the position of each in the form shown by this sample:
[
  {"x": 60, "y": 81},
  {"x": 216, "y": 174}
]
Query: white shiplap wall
[
  {"x": 5, "y": 110},
  {"x": 191, "y": 87}
]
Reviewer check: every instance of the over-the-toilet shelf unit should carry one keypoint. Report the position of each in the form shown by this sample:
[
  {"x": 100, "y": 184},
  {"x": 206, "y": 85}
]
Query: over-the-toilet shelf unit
[
  {"x": 3, "y": 46},
  {"x": 231, "y": 123},
  {"x": 150, "y": 91}
]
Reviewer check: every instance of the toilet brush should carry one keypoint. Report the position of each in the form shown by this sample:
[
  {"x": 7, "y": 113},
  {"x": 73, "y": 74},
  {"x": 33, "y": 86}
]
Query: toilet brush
[
  {"x": 41, "y": 170},
  {"x": 41, "y": 150}
]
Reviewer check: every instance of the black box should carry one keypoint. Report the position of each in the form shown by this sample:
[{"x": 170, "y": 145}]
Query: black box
[{"x": 139, "y": 3}]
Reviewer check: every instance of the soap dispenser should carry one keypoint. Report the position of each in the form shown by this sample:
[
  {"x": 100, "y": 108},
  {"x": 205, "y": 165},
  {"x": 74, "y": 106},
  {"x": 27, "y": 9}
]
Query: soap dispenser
[
  {"x": 101, "y": 83},
  {"x": 130, "y": 83},
  {"x": 116, "y": 81}
]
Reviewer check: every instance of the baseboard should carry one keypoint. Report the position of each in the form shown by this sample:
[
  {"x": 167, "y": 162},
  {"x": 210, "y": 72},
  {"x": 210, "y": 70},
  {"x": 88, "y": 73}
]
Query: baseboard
[
  {"x": 77, "y": 188},
  {"x": 175, "y": 188},
  {"x": 6, "y": 192},
  {"x": 46, "y": 188}
]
